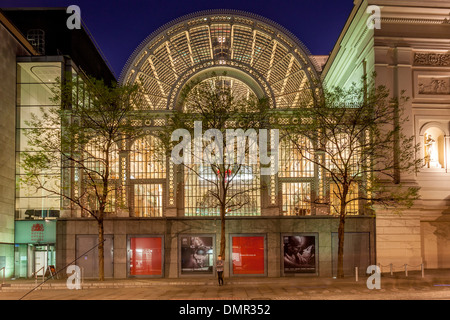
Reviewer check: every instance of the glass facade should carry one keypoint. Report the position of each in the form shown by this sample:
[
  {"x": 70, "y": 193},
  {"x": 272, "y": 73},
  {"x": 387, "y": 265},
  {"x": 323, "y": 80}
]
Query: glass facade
[
  {"x": 35, "y": 82},
  {"x": 143, "y": 169},
  {"x": 146, "y": 185},
  {"x": 34, "y": 250},
  {"x": 6, "y": 252},
  {"x": 200, "y": 182}
]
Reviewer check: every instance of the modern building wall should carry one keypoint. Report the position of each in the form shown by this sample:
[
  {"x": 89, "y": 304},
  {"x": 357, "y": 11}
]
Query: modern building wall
[
  {"x": 172, "y": 228},
  {"x": 410, "y": 54},
  {"x": 10, "y": 48},
  {"x": 24, "y": 88}
]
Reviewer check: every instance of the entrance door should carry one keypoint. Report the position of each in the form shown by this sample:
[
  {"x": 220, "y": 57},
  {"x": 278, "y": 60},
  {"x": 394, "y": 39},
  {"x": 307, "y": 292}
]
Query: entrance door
[
  {"x": 87, "y": 252},
  {"x": 40, "y": 262}
]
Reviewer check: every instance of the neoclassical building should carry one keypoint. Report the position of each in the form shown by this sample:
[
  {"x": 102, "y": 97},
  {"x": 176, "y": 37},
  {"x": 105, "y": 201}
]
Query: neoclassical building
[
  {"x": 167, "y": 229},
  {"x": 410, "y": 53}
]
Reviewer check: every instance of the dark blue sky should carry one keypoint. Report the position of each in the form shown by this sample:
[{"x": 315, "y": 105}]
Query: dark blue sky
[{"x": 120, "y": 26}]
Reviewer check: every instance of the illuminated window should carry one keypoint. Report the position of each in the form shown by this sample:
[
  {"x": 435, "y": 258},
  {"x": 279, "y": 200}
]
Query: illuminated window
[
  {"x": 296, "y": 176},
  {"x": 343, "y": 157},
  {"x": 243, "y": 191},
  {"x": 148, "y": 200},
  {"x": 148, "y": 173},
  {"x": 296, "y": 198},
  {"x": 93, "y": 200},
  {"x": 292, "y": 163},
  {"x": 147, "y": 159},
  {"x": 95, "y": 157},
  {"x": 220, "y": 40},
  {"x": 352, "y": 207},
  {"x": 238, "y": 89}
]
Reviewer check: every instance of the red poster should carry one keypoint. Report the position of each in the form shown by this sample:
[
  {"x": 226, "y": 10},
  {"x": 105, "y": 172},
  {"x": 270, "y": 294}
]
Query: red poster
[
  {"x": 248, "y": 255},
  {"x": 146, "y": 256}
]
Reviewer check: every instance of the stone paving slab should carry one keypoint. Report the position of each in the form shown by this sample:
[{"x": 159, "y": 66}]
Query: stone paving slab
[{"x": 434, "y": 284}]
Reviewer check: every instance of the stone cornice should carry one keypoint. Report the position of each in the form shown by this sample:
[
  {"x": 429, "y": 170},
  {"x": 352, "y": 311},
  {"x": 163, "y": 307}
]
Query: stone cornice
[{"x": 416, "y": 20}]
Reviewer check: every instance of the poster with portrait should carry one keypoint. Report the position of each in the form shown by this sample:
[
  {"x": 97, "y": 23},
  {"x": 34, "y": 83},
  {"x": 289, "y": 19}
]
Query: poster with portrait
[
  {"x": 197, "y": 254},
  {"x": 299, "y": 254}
]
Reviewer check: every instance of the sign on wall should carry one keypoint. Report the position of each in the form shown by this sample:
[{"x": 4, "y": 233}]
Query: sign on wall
[
  {"x": 145, "y": 256},
  {"x": 299, "y": 253},
  {"x": 248, "y": 255},
  {"x": 197, "y": 254},
  {"x": 35, "y": 231}
]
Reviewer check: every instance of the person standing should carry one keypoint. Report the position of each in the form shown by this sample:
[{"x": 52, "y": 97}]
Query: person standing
[{"x": 219, "y": 269}]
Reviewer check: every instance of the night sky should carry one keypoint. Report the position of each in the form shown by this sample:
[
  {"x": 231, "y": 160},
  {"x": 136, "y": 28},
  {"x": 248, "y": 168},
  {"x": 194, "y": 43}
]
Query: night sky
[{"x": 120, "y": 26}]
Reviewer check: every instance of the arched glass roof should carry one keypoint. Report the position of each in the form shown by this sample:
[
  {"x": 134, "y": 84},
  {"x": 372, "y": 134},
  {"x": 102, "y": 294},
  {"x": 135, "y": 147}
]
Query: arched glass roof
[{"x": 248, "y": 47}]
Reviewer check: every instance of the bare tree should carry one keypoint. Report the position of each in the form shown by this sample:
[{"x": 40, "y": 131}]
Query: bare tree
[
  {"x": 222, "y": 166},
  {"x": 74, "y": 147},
  {"x": 355, "y": 138}
]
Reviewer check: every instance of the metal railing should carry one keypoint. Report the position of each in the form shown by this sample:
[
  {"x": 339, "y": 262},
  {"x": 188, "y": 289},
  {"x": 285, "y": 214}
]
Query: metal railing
[
  {"x": 4, "y": 275},
  {"x": 404, "y": 267},
  {"x": 391, "y": 269},
  {"x": 35, "y": 274},
  {"x": 44, "y": 281}
]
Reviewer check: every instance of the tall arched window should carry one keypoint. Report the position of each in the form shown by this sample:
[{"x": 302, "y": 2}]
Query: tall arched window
[
  {"x": 147, "y": 175},
  {"x": 296, "y": 176},
  {"x": 200, "y": 183},
  {"x": 97, "y": 155},
  {"x": 343, "y": 155}
]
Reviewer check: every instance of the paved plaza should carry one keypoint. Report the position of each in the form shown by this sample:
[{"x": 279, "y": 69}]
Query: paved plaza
[
  {"x": 434, "y": 286},
  {"x": 200, "y": 298}
]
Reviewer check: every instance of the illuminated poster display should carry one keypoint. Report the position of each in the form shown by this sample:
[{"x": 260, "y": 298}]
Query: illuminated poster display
[
  {"x": 197, "y": 256},
  {"x": 145, "y": 256},
  {"x": 299, "y": 253},
  {"x": 248, "y": 254}
]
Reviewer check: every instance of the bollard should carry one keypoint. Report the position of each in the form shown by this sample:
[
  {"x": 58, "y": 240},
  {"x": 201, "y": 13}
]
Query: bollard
[
  {"x": 406, "y": 269},
  {"x": 423, "y": 270},
  {"x": 356, "y": 273},
  {"x": 82, "y": 277},
  {"x": 391, "y": 269}
]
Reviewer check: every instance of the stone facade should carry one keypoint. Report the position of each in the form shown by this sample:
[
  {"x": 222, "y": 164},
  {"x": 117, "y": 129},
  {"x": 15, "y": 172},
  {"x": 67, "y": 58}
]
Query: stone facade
[
  {"x": 409, "y": 52},
  {"x": 172, "y": 228}
]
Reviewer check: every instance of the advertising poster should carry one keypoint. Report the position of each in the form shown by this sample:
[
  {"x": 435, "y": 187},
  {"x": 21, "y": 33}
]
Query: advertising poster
[
  {"x": 146, "y": 256},
  {"x": 197, "y": 254},
  {"x": 299, "y": 254},
  {"x": 248, "y": 255}
]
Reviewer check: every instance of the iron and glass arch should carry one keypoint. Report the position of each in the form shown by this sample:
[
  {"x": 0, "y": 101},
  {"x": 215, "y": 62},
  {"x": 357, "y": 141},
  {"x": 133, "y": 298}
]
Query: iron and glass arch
[
  {"x": 253, "y": 53},
  {"x": 251, "y": 48}
]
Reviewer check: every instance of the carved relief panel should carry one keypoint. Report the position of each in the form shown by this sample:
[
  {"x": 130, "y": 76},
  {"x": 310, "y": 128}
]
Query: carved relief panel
[{"x": 431, "y": 76}]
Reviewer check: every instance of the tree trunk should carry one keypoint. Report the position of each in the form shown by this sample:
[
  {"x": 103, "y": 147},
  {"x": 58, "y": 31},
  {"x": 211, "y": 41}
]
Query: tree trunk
[
  {"x": 340, "y": 265},
  {"x": 341, "y": 233},
  {"x": 101, "y": 251},
  {"x": 222, "y": 232}
]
